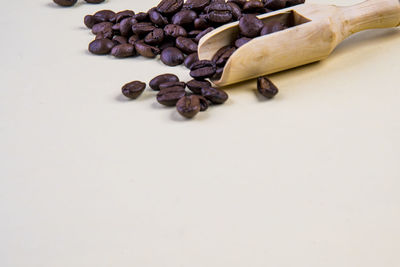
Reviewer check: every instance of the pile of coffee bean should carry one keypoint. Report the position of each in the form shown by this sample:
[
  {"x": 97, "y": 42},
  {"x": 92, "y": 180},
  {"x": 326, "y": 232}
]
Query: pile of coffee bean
[{"x": 73, "y": 2}]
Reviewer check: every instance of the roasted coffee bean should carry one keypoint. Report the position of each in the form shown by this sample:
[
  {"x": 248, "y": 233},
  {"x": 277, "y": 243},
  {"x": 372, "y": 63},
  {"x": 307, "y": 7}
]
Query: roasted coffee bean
[
  {"x": 218, "y": 74},
  {"x": 236, "y": 11},
  {"x": 219, "y": 13},
  {"x": 203, "y": 33},
  {"x": 157, "y": 18},
  {"x": 203, "y": 103},
  {"x": 166, "y": 85},
  {"x": 193, "y": 34},
  {"x": 115, "y": 27},
  {"x": 223, "y": 55},
  {"x": 203, "y": 69},
  {"x": 123, "y": 50},
  {"x": 216, "y": 96},
  {"x": 266, "y": 87},
  {"x": 101, "y": 46},
  {"x": 274, "y": 4},
  {"x": 65, "y": 2},
  {"x": 155, "y": 37},
  {"x": 184, "y": 17},
  {"x": 190, "y": 59},
  {"x": 174, "y": 31},
  {"x": 196, "y": 5},
  {"x": 105, "y": 15},
  {"x": 133, "y": 39},
  {"x": 90, "y": 20},
  {"x": 172, "y": 56},
  {"x": 118, "y": 39},
  {"x": 141, "y": 17},
  {"x": 167, "y": 43},
  {"x": 186, "y": 45},
  {"x": 102, "y": 27},
  {"x": 94, "y": 1},
  {"x": 170, "y": 96},
  {"x": 133, "y": 89},
  {"x": 164, "y": 78},
  {"x": 250, "y": 26},
  {"x": 201, "y": 24},
  {"x": 141, "y": 28},
  {"x": 195, "y": 85},
  {"x": 125, "y": 26},
  {"x": 240, "y": 3},
  {"x": 271, "y": 27},
  {"x": 188, "y": 106},
  {"x": 252, "y": 6},
  {"x": 123, "y": 14},
  {"x": 242, "y": 41},
  {"x": 169, "y": 6},
  {"x": 146, "y": 50}
]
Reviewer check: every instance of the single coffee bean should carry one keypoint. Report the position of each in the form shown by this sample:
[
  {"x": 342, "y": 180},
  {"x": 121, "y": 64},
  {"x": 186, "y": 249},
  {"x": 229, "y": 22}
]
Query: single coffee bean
[
  {"x": 133, "y": 39},
  {"x": 219, "y": 13},
  {"x": 94, "y": 1},
  {"x": 90, "y": 20},
  {"x": 169, "y": 6},
  {"x": 184, "y": 18},
  {"x": 105, "y": 15},
  {"x": 221, "y": 52},
  {"x": 167, "y": 43},
  {"x": 266, "y": 87},
  {"x": 203, "y": 103},
  {"x": 240, "y": 3},
  {"x": 193, "y": 34},
  {"x": 250, "y": 26},
  {"x": 221, "y": 61},
  {"x": 166, "y": 85},
  {"x": 155, "y": 37},
  {"x": 101, "y": 46},
  {"x": 201, "y": 24},
  {"x": 125, "y": 26},
  {"x": 203, "y": 69},
  {"x": 141, "y": 17},
  {"x": 115, "y": 27},
  {"x": 236, "y": 10},
  {"x": 102, "y": 27},
  {"x": 271, "y": 27},
  {"x": 195, "y": 85},
  {"x": 252, "y": 6},
  {"x": 196, "y": 5},
  {"x": 142, "y": 28},
  {"x": 123, "y": 50},
  {"x": 123, "y": 14},
  {"x": 146, "y": 50},
  {"x": 157, "y": 18},
  {"x": 170, "y": 96},
  {"x": 216, "y": 96},
  {"x": 65, "y": 2},
  {"x": 175, "y": 31},
  {"x": 172, "y": 56},
  {"x": 274, "y": 4},
  {"x": 203, "y": 33},
  {"x": 190, "y": 59},
  {"x": 118, "y": 39},
  {"x": 133, "y": 89},
  {"x": 186, "y": 45},
  {"x": 188, "y": 106},
  {"x": 242, "y": 41},
  {"x": 164, "y": 78}
]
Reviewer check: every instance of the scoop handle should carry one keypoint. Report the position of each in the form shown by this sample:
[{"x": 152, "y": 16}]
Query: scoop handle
[{"x": 371, "y": 14}]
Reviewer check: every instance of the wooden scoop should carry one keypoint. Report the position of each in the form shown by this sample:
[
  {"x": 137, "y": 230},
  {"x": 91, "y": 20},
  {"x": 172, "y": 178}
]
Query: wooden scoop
[{"x": 317, "y": 30}]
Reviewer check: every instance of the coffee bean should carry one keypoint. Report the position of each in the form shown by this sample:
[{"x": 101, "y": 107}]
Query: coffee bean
[
  {"x": 125, "y": 26},
  {"x": 203, "y": 69},
  {"x": 216, "y": 96},
  {"x": 105, "y": 15},
  {"x": 169, "y": 6},
  {"x": 203, "y": 103},
  {"x": 102, "y": 27},
  {"x": 90, "y": 20},
  {"x": 141, "y": 28},
  {"x": 195, "y": 85},
  {"x": 290, "y": 3},
  {"x": 274, "y": 4},
  {"x": 146, "y": 50},
  {"x": 240, "y": 3},
  {"x": 252, "y": 6},
  {"x": 133, "y": 39},
  {"x": 133, "y": 89},
  {"x": 94, "y": 1},
  {"x": 221, "y": 57},
  {"x": 118, "y": 39},
  {"x": 192, "y": 34},
  {"x": 164, "y": 78},
  {"x": 123, "y": 14},
  {"x": 184, "y": 17},
  {"x": 196, "y": 5},
  {"x": 219, "y": 13},
  {"x": 201, "y": 24},
  {"x": 123, "y": 50},
  {"x": 101, "y": 46},
  {"x": 218, "y": 74},
  {"x": 65, "y": 2},
  {"x": 167, "y": 43},
  {"x": 174, "y": 31},
  {"x": 172, "y": 56},
  {"x": 141, "y": 17},
  {"x": 266, "y": 87},
  {"x": 188, "y": 106},
  {"x": 170, "y": 96},
  {"x": 250, "y": 26},
  {"x": 166, "y": 85},
  {"x": 203, "y": 33},
  {"x": 115, "y": 27},
  {"x": 155, "y": 37},
  {"x": 186, "y": 45},
  {"x": 157, "y": 18},
  {"x": 236, "y": 11},
  {"x": 271, "y": 27},
  {"x": 242, "y": 41},
  {"x": 190, "y": 59}
]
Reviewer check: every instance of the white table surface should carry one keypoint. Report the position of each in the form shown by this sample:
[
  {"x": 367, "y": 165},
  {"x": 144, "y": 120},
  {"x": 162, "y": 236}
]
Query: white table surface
[{"x": 311, "y": 178}]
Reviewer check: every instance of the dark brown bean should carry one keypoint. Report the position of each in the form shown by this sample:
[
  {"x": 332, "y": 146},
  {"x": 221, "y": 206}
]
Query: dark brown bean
[
  {"x": 266, "y": 88},
  {"x": 274, "y": 4},
  {"x": 164, "y": 78},
  {"x": 120, "y": 39},
  {"x": 184, "y": 17},
  {"x": 125, "y": 26},
  {"x": 219, "y": 12},
  {"x": 190, "y": 59},
  {"x": 141, "y": 16},
  {"x": 167, "y": 43},
  {"x": 101, "y": 46},
  {"x": 172, "y": 56},
  {"x": 250, "y": 26},
  {"x": 102, "y": 27},
  {"x": 174, "y": 31},
  {"x": 90, "y": 20},
  {"x": 195, "y": 85},
  {"x": 196, "y": 5},
  {"x": 216, "y": 96},
  {"x": 141, "y": 28},
  {"x": 123, "y": 14},
  {"x": 220, "y": 57},
  {"x": 186, "y": 45},
  {"x": 201, "y": 24},
  {"x": 203, "y": 69},
  {"x": 188, "y": 106},
  {"x": 65, "y": 2},
  {"x": 105, "y": 15},
  {"x": 170, "y": 96},
  {"x": 123, "y": 50},
  {"x": 242, "y": 41},
  {"x": 252, "y": 6},
  {"x": 133, "y": 39},
  {"x": 155, "y": 37},
  {"x": 157, "y": 18},
  {"x": 133, "y": 89},
  {"x": 240, "y": 3},
  {"x": 236, "y": 11},
  {"x": 146, "y": 50},
  {"x": 271, "y": 27},
  {"x": 94, "y": 1},
  {"x": 203, "y": 33},
  {"x": 166, "y": 85},
  {"x": 203, "y": 103},
  {"x": 169, "y": 6}
]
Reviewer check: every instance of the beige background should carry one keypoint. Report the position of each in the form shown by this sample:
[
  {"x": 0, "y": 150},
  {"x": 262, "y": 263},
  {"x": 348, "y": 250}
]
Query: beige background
[{"x": 311, "y": 178}]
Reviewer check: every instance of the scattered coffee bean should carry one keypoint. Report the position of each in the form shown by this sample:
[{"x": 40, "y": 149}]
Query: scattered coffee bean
[
  {"x": 123, "y": 14},
  {"x": 169, "y": 6},
  {"x": 271, "y": 27},
  {"x": 172, "y": 56},
  {"x": 142, "y": 28},
  {"x": 203, "y": 69},
  {"x": 118, "y": 39},
  {"x": 203, "y": 33},
  {"x": 203, "y": 103},
  {"x": 170, "y": 96},
  {"x": 190, "y": 59},
  {"x": 184, "y": 17},
  {"x": 242, "y": 41},
  {"x": 219, "y": 13},
  {"x": 146, "y": 50},
  {"x": 186, "y": 45},
  {"x": 105, "y": 15},
  {"x": 133, "y": 89},
  {"x": 123, "y": 50},
  {"x": 175, "y": 31},
  {"x": 101, "y": 46},
  {"x": 188, "y": 106},
  {"x": 155, "y": 37},
  {"x": 252, "y": 6},
  {"x": 65, "y": 2},
  {"x": 196, "y": 5},
  {"x": 250, "y": 26},
  {"x": 216, "y": 96},
  {"x": 266, "y": 87},
  {"x": 172, "y": 84},
  {"x": 164, "y": 78},
  {"x": 195, "y": 85},
  {"x": 157, "y": 18}
]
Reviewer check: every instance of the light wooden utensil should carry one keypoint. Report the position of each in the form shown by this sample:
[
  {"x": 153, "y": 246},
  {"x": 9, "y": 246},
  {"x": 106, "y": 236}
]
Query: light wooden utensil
[{"x": 318, "y": 30}]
